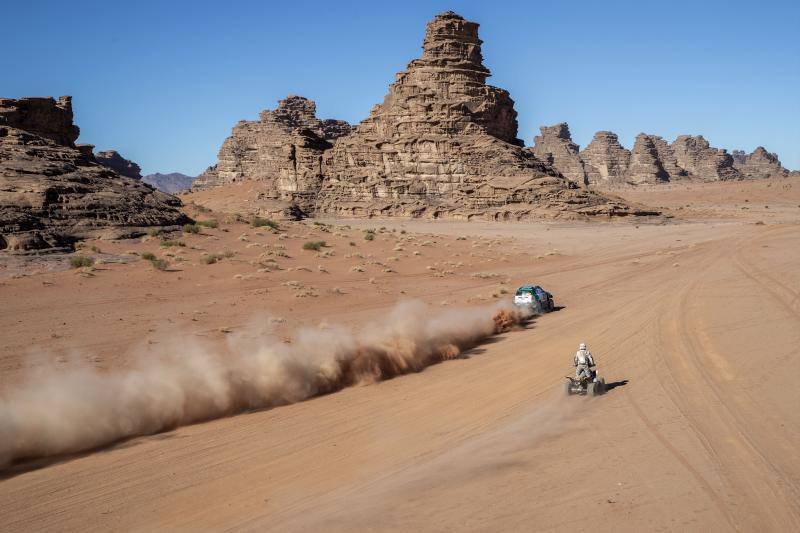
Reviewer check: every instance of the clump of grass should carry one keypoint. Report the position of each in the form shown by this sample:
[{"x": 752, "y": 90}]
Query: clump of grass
[
  {"x": 172, "y": 242},
  {"x": 160, "y": 264},
  {"x": 208, "y": 223},
  {"x": 154, "y": 232},
  {"x": 259, "y": 222},
  {"x": 80, "y": 261},
  {"x": 314, "y": 245},
  {"x": 369, "y": 235},
  {"x": 191, "y": 228},
  {"x": 95, "y": 249},
  {"x": 210, "y": 259}
]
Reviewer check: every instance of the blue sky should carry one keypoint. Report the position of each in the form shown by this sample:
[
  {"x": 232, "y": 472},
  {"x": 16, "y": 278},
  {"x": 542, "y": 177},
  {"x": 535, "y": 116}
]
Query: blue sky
[{"x": 164, "y": 82}]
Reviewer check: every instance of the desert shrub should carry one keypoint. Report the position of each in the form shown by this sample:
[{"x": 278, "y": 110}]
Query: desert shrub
[
  {"x": 259, "y": 222},
  {"x": 95, "y": 249},
  {"x": 208, "y": 223},
  {"x": 159, "y": 264},
  {"x": 149, "y": 256},
  {"x": 313, "y": 245},
  {"x": 80, "y": 261},
  {"x": 210, "y": 259},
  {"x": 369, "y": 235},
  {"x": 191, "y": 228},
  {"x": 352, "y": 243},
  {"x": 154, "y": 232},
  {"x": 227, "y": 253},
  {"x": 172, "y": 242}
]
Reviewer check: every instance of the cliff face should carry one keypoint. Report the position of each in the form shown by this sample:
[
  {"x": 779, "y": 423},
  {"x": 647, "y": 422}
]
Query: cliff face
[
  {"x": 605, "y": 160},
  {"x": 48, "y": 118},
  {"x": 554, "y": 146},
  {"x": 53, "y": 193},
  {"x": 283, "y": 148},
  {"x": 700, "y": 160},
  {"x": 444, "y": 143}
]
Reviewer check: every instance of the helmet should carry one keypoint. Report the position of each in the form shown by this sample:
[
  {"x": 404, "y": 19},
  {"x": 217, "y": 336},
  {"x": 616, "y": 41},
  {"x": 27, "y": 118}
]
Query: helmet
[{"x": 582, "y": 346}]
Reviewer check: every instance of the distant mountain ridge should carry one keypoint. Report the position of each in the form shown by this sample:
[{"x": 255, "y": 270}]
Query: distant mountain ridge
[{"x": 169, "y": 183}]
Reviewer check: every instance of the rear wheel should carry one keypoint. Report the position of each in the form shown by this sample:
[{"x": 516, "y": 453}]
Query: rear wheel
[{"x": 592, "y": 389}]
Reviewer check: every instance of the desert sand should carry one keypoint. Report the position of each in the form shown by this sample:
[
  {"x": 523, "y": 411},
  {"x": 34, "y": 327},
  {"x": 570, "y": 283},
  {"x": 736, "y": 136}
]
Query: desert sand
[{"x": 694, "y": 321}]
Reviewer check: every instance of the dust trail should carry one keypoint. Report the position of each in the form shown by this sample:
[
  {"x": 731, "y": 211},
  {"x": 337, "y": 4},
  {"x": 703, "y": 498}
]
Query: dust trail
[{"x": 60, "y": 411}]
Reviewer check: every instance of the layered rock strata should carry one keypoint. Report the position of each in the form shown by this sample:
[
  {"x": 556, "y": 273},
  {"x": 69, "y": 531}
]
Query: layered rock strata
[
  {"x": 759, "y": 164},
  {"x": 554, "y": 146},
  {"x": 695, "y": 155},
  {"x": 53, "y": 193},
  {"x": 284, "y": 149},
  {"x": 605, "y": 160},
  {"x": 444, "y": 143},
  {"x": 124, "y": 167}
]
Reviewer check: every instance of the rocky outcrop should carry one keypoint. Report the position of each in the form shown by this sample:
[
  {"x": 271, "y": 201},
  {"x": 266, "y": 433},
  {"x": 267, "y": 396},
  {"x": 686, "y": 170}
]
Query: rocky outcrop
[
  {"x": 759, "y": 164},
  {"x": 555, "y": 147},
  {"x": 605, "y": 160},
  {"x": 284, "y": 149},
  {"x": 646, "y": 165},
  {"x": 52, "y": 193},
  {"x": 124, "y": 167},
  {"x": 169, "y": 183},
  {"x": 652, "y": 161},
  {"x": 695, "y": 155},
  {"x": 444, "y": 143},
  {"x": 49, "y": 118}
]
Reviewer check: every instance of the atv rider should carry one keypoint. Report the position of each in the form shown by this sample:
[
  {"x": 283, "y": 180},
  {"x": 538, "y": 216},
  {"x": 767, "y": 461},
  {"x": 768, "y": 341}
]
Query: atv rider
[{"x": 583, "y": 361}]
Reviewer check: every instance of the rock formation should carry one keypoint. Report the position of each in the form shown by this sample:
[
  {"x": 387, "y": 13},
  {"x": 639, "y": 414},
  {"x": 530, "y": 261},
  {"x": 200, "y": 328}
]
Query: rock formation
[
  {"x": 758, "y": 165},
  {"x": 646, "y": 165},
  {"x": 52, "y": 193},
  {"x": 605, "y": 160},
  {"x": 124, "y": 167},
  {"x": 283, "y": 148},
  {"x": 49, "y": 118},
  {"x": 444, "y": 143},
  {"x": 701, "y": 161},
  {"x": 555, "y": 147},
  {"x": 169, "y": 183}
]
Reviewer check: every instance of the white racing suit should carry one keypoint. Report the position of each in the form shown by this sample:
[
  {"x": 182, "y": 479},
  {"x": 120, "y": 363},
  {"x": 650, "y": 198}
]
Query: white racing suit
[{"x": 583, "y": 362}]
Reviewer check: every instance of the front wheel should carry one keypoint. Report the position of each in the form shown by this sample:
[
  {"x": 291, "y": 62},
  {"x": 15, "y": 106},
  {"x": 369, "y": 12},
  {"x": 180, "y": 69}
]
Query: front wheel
[
  {"x": 568, "y": 388},
  {"x": 601, "y": 386},
  {"x": 592, "y": 389}
]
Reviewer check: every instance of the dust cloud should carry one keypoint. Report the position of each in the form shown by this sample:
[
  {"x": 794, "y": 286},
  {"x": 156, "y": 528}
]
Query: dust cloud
[{"x": 62, "y": 411}]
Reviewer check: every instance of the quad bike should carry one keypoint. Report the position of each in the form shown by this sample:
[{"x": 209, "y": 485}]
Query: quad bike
[{"x": 592, "y": 385}]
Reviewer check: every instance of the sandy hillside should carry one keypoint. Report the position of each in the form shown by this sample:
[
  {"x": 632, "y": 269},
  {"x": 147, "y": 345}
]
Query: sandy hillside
[{"x": 694, "y": 321}]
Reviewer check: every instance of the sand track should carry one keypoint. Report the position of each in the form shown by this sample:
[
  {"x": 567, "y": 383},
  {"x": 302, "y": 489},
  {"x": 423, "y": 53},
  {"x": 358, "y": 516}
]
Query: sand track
[{"x": 696, "y": 324}]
